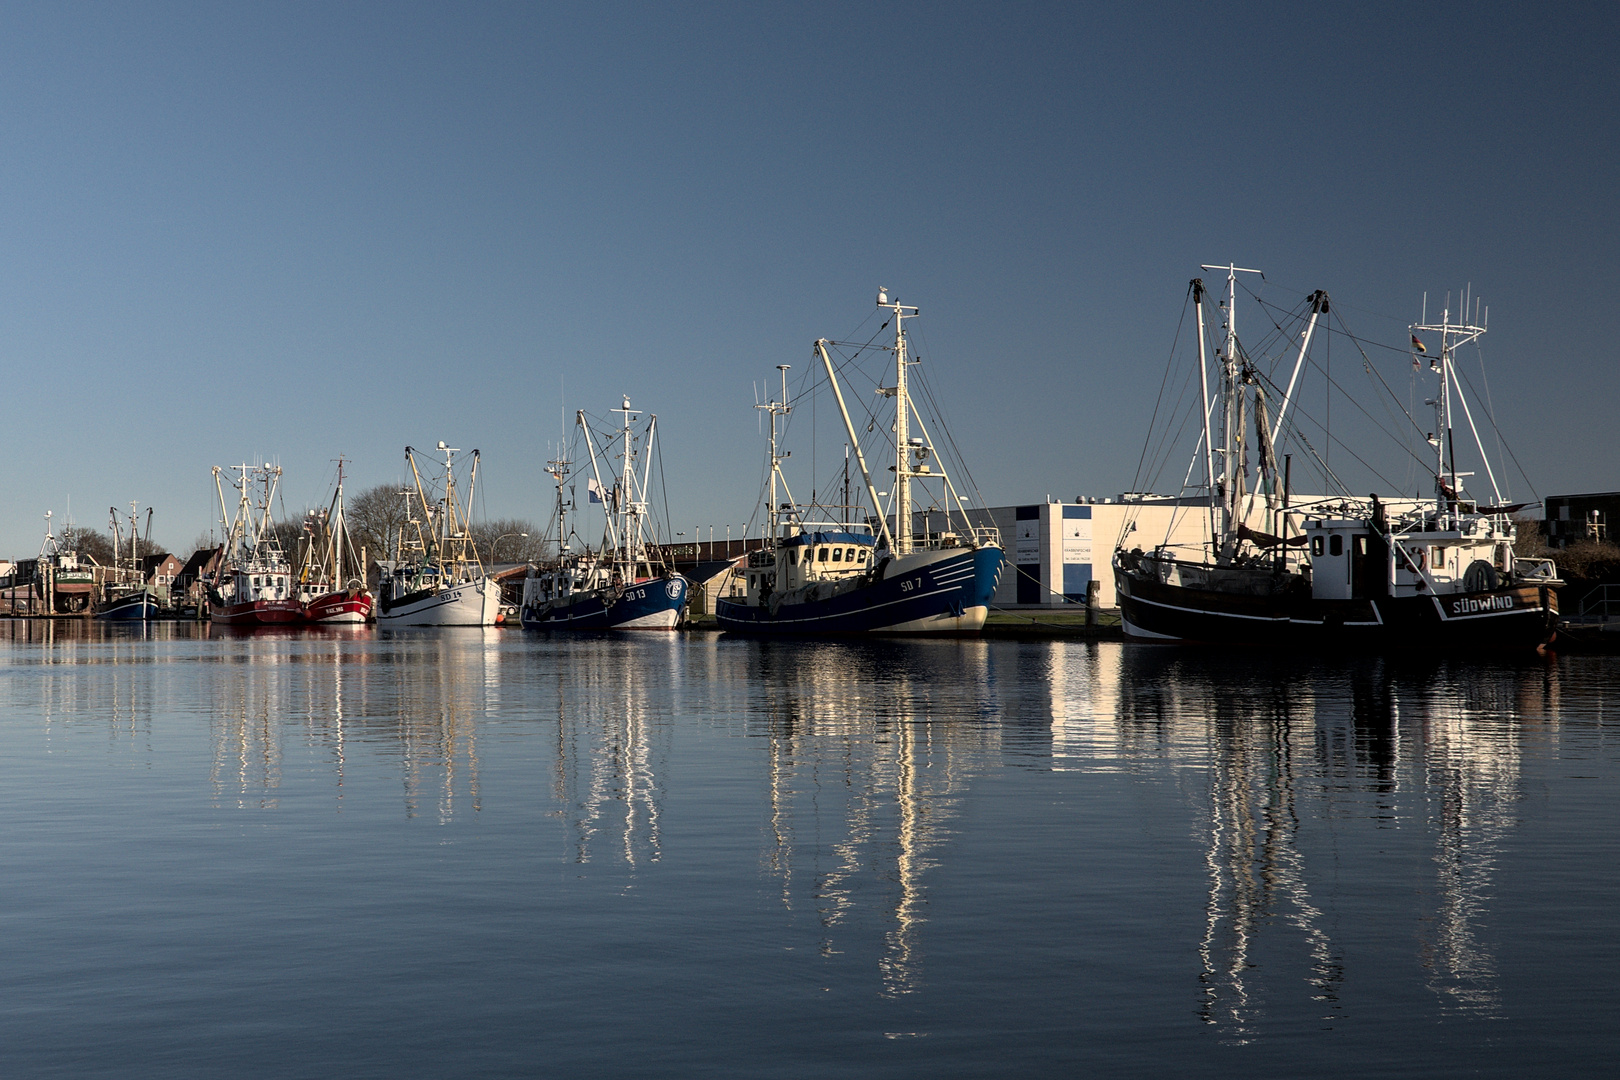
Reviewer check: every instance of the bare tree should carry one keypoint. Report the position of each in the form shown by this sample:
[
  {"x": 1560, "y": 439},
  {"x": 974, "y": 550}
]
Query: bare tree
[
  {"x": 375, "y": 517},
  {"x": 519, "y": 540},
  {"x": 92, "y": 542}
]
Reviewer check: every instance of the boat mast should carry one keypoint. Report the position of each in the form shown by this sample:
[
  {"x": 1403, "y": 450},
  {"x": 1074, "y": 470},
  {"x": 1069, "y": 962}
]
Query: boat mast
[
  {"x": 1442, "y": 439},
  {"x": 1232, "y": 413},
  {"x": 134, "y": 556},
  {"x": 902, "y": 424},
  {"x": 557, "y": 468},
  {"x": 624, "y": 492},
  {"x": 1197, "y": 286},
  {"x": 118, "y": 534},
  {"x": 776, "y": 408},
  {"x": 449, "y": 525}
]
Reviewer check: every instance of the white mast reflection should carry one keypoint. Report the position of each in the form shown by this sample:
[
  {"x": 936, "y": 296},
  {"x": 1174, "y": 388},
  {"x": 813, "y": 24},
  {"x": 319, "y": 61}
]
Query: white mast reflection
[
  {"x": 610, "y": 744},
  {"x": 842, "y": 725}
]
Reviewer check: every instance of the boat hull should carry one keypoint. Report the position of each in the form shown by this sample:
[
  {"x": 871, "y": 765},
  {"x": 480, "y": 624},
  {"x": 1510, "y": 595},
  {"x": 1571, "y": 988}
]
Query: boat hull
[
  {"x": 1519, "y": 617},
  {"x": 136, "y": 607},
  {"x": 931, "y": 593},
  {"x": 338, "y": 608},
  {"x": 258, "y": 613},
  {"x": 468, "y": 603},
  {"x": 655, "y": 604}
]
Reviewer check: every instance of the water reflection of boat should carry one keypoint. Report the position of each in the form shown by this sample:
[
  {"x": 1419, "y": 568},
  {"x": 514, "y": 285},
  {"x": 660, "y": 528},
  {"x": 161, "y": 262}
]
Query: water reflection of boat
[
  {"x": 881, "y": 827},
  {"x": 1281, "y": 745},
  {"x": 613, "y": 743}
]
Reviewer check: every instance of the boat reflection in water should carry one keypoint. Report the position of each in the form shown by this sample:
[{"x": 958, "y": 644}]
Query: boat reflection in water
[
  {"x": 1289, "y": 756},
  {"x": 869, "y": 746},
  {"x": 1260, "y": 842},
  {"x": 612, "y": 747}
]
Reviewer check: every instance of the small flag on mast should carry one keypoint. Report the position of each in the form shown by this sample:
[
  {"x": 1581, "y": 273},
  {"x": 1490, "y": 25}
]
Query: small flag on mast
[
  {"x": 594, "y": 489},
  {"x": 1418, "y": 345}
]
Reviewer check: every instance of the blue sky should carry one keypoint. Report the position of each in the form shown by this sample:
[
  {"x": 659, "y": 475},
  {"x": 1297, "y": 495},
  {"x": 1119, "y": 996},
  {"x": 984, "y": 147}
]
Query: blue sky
[{"x": 231, "y": 232}]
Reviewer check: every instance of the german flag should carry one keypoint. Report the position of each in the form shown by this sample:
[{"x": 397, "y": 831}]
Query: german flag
[{"x": 1418, "y": 345}]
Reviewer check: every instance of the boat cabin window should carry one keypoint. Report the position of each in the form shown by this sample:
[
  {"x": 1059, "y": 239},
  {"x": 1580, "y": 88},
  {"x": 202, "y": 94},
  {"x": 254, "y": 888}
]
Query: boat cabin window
[
  {"x": 838, "y": 555},
  {"x": 821, "y": 554},
  {"x": 1336, "y": 545},
  {"x": 863, "y": 556},
  {"x": 1358, "y": 545},
  {"x": 793, "y": 557},
  {"x": 1316, "y": 545},
  {"x": 849, "y": 554}
]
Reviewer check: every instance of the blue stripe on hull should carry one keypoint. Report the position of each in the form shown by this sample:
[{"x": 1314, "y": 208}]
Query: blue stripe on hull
[
  {"x": 943, "y": 589},
  {"x": 640, "y": 601}
]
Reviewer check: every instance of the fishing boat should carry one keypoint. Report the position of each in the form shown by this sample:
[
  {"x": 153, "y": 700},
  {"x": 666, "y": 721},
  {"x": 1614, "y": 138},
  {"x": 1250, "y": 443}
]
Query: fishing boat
[
  {"x": 436, "y": 577},
  {"x": 331, "y": 574},
  {"x": 56, "y": 582},
  {"x": 252, "y": 584},
  {"x": 623, "y": 584},
  {"x": 125, "y": 595},
  {"x": 821, "y": 573},
  {"x": 1337, "y": 570}
]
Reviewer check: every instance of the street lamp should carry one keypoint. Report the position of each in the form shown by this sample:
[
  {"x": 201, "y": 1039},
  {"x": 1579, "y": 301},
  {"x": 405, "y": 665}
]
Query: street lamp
[{"x": 497, "y": 541}]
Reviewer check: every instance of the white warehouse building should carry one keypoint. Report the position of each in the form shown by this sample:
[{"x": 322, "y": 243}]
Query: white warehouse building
[{"x": 1055, "y": 550}]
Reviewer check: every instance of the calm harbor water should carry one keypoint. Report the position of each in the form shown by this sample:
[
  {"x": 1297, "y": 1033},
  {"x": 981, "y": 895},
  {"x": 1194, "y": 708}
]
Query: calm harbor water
[{"x": 447, "y": 853}]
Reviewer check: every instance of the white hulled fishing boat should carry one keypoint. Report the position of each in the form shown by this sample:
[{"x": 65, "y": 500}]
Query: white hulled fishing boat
[
  {"x": 436, "y": 577},
  {"x": 1337, "y": 570},
  {"x": 822, "y": 573},
  {"x": 252, "y": 585},
  {"x": 624, "y": 583}
]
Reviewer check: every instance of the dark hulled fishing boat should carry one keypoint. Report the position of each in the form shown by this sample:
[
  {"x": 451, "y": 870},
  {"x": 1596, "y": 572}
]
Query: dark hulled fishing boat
[
  {"x": 1341, "y": 571},
  {"x": 623, "y": 584}
]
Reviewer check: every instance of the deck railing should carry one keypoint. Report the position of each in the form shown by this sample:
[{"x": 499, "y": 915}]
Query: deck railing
[{"x": 1603, "y": 602}]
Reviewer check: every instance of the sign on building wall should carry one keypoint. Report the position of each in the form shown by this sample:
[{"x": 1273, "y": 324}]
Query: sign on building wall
[
  {"x": 1027, "y": 544},
  {"x": 1076, "y": 541}
]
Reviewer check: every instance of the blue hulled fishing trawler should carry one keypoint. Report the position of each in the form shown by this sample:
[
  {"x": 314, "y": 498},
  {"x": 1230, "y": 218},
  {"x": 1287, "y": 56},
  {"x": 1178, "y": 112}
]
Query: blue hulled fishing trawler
[{"x": 874, "y": 576}]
